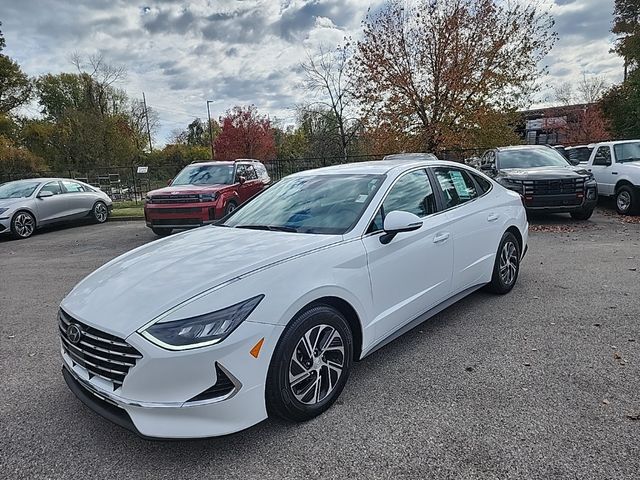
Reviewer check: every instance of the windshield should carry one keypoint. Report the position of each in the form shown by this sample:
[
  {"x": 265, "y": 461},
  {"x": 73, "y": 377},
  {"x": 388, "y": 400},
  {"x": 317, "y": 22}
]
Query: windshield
[
  {"x": 205, "y": 175},
  {"x": 19, "y": 189},
  {"x": 326, "y": 204},
  {"x": 627, "y": 152},
  {"x": 530, "y": 158}
]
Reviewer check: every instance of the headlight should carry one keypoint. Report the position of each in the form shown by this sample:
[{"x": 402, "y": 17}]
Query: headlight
[
  {"x": 147, "y": 199},
  {"x": 208, "y": 197},
  {"x": 2, "y": 210},
  {"x": 202, "y": 330},
  {"x": 511, "y": 184}
]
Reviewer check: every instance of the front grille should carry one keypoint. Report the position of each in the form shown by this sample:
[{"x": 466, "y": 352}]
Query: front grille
[
  {"x": 181, "y": 198},
  {"x": 103, "y": 355},
  {"x": 553, "y": 187},
  {"x": 178, "y": 210}
]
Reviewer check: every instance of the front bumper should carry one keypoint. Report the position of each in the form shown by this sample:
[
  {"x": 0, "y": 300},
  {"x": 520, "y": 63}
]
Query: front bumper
[
  {"x": 181, "y": 215},
  {"x": 156, "y": 399},
  {"x": 5, "y": 225}
]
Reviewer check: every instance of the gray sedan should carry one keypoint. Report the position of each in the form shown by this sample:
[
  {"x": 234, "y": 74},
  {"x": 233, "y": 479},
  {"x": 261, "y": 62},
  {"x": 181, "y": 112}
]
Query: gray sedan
[{"x": 29, "y": 204}]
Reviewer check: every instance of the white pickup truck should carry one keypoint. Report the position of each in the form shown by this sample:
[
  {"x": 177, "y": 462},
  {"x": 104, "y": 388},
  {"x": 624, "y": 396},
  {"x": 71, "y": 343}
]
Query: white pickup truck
[{"x": 616, "y": 168}]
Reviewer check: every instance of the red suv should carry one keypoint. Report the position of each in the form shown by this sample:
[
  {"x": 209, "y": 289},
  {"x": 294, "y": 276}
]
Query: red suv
[{"x": 202, "y": 193}]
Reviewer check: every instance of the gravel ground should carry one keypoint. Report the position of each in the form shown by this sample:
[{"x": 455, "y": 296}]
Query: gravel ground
[{"x": 540, "y": 383}]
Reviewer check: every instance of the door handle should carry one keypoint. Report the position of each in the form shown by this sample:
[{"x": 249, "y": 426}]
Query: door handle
[
  {"x": 588, "y": 169},
  {"x": 492, "y": 218},
  {"x": 614, "y": 173},
  {"x": 441, "y": 237}
]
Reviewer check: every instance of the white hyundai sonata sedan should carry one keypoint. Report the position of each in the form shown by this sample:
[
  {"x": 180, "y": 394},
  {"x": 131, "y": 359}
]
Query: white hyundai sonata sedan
[{"x": 208, "y": 332}]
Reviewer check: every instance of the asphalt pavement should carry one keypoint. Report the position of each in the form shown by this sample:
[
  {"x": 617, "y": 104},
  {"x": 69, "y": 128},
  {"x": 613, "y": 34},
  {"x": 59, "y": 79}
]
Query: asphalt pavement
[{"x": 541, "y": 383}]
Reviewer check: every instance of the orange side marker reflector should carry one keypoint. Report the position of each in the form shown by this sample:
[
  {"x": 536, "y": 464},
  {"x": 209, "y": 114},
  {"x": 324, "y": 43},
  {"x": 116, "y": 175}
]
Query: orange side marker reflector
[{"x": 255, "y": 351}]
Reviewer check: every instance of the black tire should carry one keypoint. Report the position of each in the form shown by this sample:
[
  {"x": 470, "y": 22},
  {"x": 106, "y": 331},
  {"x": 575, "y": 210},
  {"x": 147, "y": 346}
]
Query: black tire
[
  {"x": 23, "y": 224},
  {"x": 230, "y": 207},
  {"x": 100, "y": 212},
  {"x": 627, "y": 201},
  {"x": 582, "y": 214},
  {"x": 161, "y": 232},
  {"x": 280, "y": 397},
  {"x": 499, "y": 284}
]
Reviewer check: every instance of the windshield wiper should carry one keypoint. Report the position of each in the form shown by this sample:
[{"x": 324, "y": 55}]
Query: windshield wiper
[{"x": 272, "y": 228}]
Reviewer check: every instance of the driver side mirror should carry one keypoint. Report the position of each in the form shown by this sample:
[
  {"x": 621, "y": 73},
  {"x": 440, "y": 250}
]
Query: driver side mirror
[
  {"x": 241, "y": 179},
  {"x": 398, "y": 222},
  {"x": 45, "y": 194},
  {"x": 574, "y": 161},
  {"x": 487, "y": 167}
]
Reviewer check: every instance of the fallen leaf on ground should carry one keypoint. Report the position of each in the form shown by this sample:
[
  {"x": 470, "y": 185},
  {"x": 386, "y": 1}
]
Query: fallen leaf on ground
[
  {"x": 605, "y": 401},
  {"x": 633, "y": 416}
]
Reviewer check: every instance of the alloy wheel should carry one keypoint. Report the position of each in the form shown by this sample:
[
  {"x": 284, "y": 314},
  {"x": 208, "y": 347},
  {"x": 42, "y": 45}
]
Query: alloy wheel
[
  {"x": 623, "y": 201},
  {"x": 508, "y": 263},
  {"x": 24, "y": 225},
  {"x": 316, "y": 364},
  {"x": 100, "y": 211}
]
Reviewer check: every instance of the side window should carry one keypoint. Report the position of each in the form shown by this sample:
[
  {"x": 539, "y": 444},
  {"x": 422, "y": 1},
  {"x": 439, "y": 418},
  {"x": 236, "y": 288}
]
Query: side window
[
  {"x": 72, "y": 187},
  {"x": 241, "y": 171},
  {"x": 250, "y": 173},
  {"x": 411, "y": 193},
  {"x": 261, "y": 170},
  {"x": 603, "y": 156},
  {"x": 53, "y": 187},
  {"x": 489, "y": 158},
  {"x": 483, "y": 183},
  {"x": 457, "y": 186}
]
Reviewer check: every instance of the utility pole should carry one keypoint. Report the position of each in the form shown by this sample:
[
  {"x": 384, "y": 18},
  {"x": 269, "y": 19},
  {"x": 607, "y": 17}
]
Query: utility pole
[
  {"x": 210, "y": 129},
  {"x": 146, "y": 116}
]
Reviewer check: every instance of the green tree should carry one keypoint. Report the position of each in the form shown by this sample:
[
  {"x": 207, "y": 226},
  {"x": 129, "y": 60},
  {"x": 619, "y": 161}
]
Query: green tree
[
  {"x": 626, "y": 25},
  {"x": 16, "y": 162},
  {"x": 621, "y": 106},
  {"x": 15, "y": 86}
]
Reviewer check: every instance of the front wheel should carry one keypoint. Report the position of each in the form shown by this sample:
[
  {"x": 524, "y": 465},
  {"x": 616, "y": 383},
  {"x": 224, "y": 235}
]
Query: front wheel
[
  {"x": 506, "y": 266},
  {"x": 627, "y": 201},
  {"x": 582, "y": 214},
  {"x": 161, "y": 232},
  {"x": 310, "y": 365},
  {"x": 231, "y": 206},
  {"x": 23, "y": 225}
]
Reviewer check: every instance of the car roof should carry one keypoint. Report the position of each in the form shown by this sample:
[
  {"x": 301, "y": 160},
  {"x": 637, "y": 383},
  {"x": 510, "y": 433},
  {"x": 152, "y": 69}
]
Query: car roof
[
  {"x": 377, "y": 167},
  {"x": 521, "y": 147},
  {"x": 614, "y": 142},
  {"x": 226, "y": 162}
]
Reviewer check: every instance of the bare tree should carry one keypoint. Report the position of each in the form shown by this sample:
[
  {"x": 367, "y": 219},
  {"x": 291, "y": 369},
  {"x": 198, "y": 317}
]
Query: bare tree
[{"x": 327, "y": 77}]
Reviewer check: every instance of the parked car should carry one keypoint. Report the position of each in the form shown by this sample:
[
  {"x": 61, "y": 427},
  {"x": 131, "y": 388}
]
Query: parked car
[
  {"x": 26, "y": 205},
  {"x": 207, "y": 332},
  {"x": 545, "y": 179},
  {"x": 616, "y": 168},
  {"x": 202, "y": 193}
]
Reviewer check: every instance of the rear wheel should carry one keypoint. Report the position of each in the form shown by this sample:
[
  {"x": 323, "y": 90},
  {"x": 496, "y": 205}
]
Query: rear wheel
[
  {"x": 506, "y": 266},
  {"x": 100, "y": 212},
  {"x": 161, "y": 232},
  {"x": 582, "y": 214},
  {"x": 627, "y": 201},
  {"x": 310, "y": 365},
  {"x": 23, "y": 225}
]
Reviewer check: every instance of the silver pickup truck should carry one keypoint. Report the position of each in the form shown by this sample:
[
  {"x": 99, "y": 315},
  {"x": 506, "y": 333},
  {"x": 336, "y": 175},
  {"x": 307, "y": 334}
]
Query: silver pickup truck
[{"x": 616, "y": 168}]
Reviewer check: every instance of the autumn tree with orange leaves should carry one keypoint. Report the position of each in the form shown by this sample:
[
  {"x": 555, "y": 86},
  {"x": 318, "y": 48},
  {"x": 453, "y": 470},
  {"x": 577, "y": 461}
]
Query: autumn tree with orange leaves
[{"x": 428, "y": 69}]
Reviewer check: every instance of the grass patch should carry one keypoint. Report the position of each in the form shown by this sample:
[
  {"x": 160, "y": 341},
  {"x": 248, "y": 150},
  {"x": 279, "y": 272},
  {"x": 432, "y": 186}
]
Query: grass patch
[
  {"x": 127, "y": 204},
  {"x": 128, "y": 211}
]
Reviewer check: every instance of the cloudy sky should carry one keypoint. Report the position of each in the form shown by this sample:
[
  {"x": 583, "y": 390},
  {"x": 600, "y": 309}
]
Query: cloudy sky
[{"x": 240, "y": 51}]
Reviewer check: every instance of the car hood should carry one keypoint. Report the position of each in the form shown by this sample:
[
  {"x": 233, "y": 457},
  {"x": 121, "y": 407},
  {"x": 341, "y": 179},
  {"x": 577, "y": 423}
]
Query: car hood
[
  {"x": 187, "y": 189},
  {"x": 133, "y": 289},
  {"x": 544, "y": 173}
]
